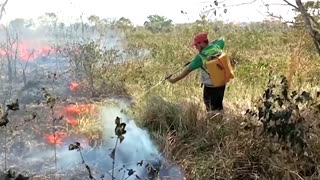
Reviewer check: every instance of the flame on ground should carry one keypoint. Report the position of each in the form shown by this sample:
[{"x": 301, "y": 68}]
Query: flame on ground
[
  {"x": 137, "y": 147},
  {"x": 72, "y": 121},
  {"x": 27, "y": 50},
  {"x": 55, "y": 138},
  {"x": 74, "y": 86},
  {"x": 71, "y": 114},
  {"x": 78, "y": 109}
]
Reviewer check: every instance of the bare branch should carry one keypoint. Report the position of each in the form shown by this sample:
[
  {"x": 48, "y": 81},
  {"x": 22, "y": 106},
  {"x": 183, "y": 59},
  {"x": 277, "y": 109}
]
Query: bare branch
[
  {"x": 232, "y": 5},
  {"x": 3, "y": 8},
  {"x": 280, "y": 18},
  {"x": 219, "y": 2},
  {"x": 290, "y": 4},
  {"x": 273, "y": 4},
  {"x": 241, "y": 4}
]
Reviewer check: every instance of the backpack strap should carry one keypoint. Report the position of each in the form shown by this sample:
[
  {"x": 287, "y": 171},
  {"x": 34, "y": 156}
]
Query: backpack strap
[{"x": 204, "y": 59}]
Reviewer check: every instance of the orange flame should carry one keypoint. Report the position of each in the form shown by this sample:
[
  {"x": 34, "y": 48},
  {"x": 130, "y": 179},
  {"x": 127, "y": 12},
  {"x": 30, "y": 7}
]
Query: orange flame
[
  {"x": 71, "y": 112},
  {"x": 55, "y": 139},
  {"x": 73, "y": 86},
  {"x": 79, "y": 109},
  {"x": 72, "y": 121},
  {"x": 25, "y": 52}
]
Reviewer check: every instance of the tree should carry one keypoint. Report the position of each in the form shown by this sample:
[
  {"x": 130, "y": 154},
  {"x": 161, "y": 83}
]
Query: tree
[
  {"x": 308, "y": 15},
  {"x": 158, "y": 24},
  {"x": 123, "y": 23},
  {"x": 100, "y": 25},
  {"x": 94, "y": 19},
  {"x": 87, "y": 60},
  {"x": 49, "y": 21},
  {"x": 24, "y": 65},
  {"x": 311, "y": 24},
  {"x": 11, "y": 54},
  {"x": 17, "y": 24},
  {"x": 20, "y": 25}
]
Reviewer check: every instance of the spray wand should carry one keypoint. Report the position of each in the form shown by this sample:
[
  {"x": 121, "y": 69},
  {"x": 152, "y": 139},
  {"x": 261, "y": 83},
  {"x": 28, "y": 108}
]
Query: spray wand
[
  {"x": 177, "y": 70},
  {"x": 163, "y": 80}
]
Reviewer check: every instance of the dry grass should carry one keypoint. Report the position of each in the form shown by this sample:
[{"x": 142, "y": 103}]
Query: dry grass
[{"x": 228, "y": 147}]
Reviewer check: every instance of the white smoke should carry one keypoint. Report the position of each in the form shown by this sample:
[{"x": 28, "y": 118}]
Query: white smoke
[{"x": 136, "y": 147}]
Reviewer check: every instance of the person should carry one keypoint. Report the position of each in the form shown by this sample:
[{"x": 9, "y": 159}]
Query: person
[{"x": 212, "y": 96}]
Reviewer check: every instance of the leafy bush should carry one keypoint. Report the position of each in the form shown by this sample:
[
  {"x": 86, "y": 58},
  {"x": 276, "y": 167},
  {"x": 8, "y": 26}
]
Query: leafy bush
[{"x": 285, "y": 114}]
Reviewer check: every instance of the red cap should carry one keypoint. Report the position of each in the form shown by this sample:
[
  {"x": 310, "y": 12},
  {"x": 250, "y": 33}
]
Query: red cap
[{"x": 201, "y": 37}]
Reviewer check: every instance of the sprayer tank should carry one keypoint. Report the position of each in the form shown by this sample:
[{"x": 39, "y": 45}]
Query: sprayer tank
[{"x": 220, "y": 70}]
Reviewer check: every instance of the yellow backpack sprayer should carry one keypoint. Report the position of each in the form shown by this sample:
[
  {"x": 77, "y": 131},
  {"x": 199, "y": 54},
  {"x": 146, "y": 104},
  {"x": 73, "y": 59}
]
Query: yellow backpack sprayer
[
  {"x": 219, "y": 69},
  {"x": 216, "y": 63}
]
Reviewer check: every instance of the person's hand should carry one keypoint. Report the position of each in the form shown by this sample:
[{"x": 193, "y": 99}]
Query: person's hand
[{"x": 170, "y": 79}]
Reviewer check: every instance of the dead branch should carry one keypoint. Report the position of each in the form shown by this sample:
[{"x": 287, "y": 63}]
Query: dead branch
[
  {"x": 226, "y": 6},
  {"x": 311, "y": 24},
  {"x": 3, "y": 8},
  {"x": 241, "y": 4},
  {"x": 290, "y": 4},
  {"x": 280, "y": 18},
  {"x": 211, "y": 1},
  {"x": 307, "y": 20},
  {"x": 276, "y": 4}
]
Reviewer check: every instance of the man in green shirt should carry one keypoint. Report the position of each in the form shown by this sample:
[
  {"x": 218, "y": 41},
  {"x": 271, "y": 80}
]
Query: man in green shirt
[{"x": 212, "y": 96}]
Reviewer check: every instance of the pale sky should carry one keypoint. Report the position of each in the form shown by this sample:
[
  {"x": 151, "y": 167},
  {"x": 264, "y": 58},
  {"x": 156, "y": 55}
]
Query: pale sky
[{"x": 138, "y": 10}]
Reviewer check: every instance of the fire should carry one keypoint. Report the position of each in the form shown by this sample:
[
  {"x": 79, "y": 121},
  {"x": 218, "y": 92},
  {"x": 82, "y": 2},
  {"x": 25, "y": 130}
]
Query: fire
[
  {"x": 72, "y": 121},
  {"x": 55, "y": 139},
  {"x": 72, "y": 112},
  {"x": 79, "y": 109},
  {"x": 73, "y": 86},
  {"x": 28, "y": 50}
]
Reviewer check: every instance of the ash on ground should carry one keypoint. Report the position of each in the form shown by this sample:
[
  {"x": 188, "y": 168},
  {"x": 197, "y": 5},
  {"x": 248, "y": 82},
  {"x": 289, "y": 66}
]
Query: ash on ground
[{"x": 29, "y": 153}]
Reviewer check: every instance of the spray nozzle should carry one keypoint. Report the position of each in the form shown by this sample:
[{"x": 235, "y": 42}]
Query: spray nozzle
[{"x": 168, "y": 77}]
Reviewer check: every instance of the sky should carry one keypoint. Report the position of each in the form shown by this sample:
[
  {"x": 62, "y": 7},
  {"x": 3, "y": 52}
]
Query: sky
[{"x": 138, "y": 10}]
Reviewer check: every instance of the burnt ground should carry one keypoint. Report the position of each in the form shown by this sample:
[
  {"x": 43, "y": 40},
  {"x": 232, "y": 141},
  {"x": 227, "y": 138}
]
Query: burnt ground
[{"x": 30, "y": 152}]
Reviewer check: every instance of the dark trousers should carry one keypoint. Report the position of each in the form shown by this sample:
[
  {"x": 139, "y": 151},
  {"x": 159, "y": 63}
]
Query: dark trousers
[{"x": 213, "y": 97}]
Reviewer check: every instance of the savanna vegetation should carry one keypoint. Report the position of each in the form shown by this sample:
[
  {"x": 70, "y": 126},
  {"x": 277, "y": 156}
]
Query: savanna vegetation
[
  {"x": 270, "y": 128},
  {"x": 234, "y": 147}
]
